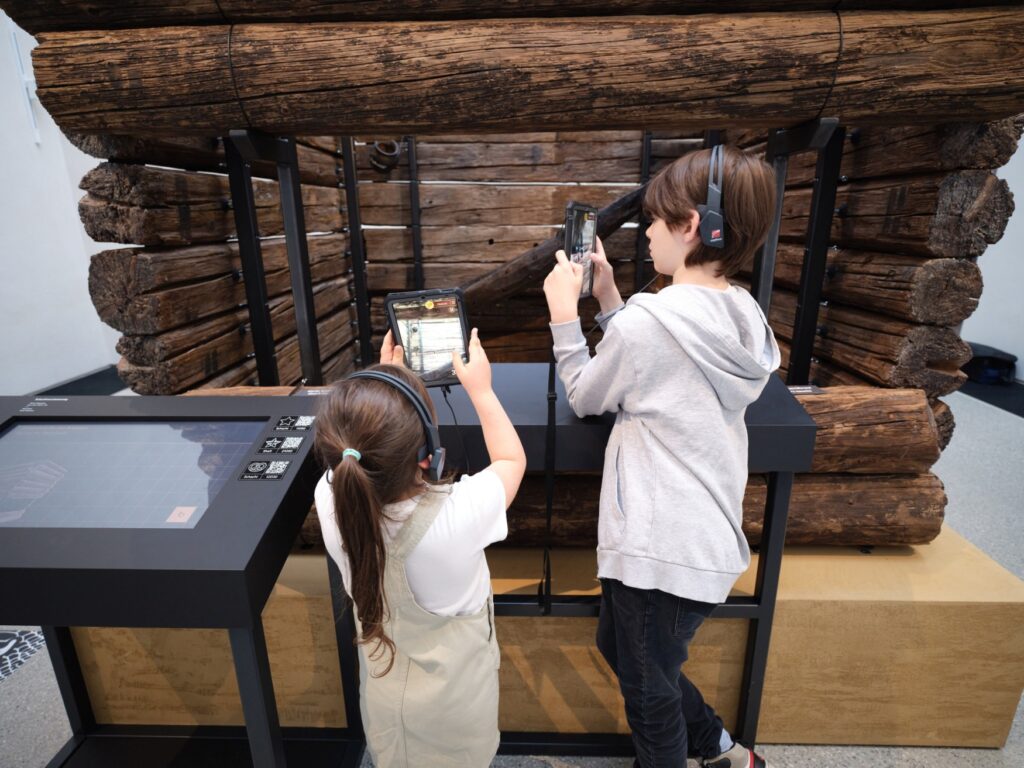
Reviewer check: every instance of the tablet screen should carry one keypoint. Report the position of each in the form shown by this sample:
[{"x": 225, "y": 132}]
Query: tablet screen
[{"x": 430, "y": 328}]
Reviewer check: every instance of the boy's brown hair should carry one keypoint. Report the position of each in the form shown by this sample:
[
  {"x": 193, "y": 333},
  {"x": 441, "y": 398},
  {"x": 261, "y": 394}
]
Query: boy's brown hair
[{"x": 748, "y": 203}]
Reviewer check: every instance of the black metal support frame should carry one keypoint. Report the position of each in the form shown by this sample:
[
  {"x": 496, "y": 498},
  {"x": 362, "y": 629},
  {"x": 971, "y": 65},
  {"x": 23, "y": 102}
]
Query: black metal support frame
[
  {"x": 825, "y": 137},
  {"x": 357, "y": 249},
  {"x": 242, "y": 147},
  {"x": 414, "y": 208}
]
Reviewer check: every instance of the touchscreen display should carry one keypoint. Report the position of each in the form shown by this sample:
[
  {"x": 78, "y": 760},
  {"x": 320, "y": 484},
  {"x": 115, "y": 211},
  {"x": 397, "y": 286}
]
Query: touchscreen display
[
  {"x": 430, "y": 328},
  {"x": 118, "y": 474},
  {"x": 580, "y": 236}
]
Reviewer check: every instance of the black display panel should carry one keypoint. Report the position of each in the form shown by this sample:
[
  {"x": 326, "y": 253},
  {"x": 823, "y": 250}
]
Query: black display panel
[{"x": 118, "y": 474}]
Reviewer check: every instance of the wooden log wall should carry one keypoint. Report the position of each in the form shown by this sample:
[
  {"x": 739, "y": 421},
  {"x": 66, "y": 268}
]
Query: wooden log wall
[
  {"x": 410, "y": 76},
  {"x": 180, "y": 298}
]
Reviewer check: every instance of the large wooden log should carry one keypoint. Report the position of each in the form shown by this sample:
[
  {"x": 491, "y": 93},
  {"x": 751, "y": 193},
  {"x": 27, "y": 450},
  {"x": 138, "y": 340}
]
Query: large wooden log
[
  {"x": 116, "y": 275},
  {"x": 911, "y": 149},
  {"x": 201, "y": 360},
  {"x": 823, "y": 373},
  {"x": 936, "y": 291},
  {"x": 479, "y": 204},
  {"x": 151, "y": 313},
  {"x": 824, "y": 509},
  {"x": 507, "y": 75},
  {"x": 529, "y": 269},
  {"x": 170, "y": 345},
  {"x": 868, "y": 430},
  {"x": 203, "y": 153},
  {"x": 882, "y": 350},
  {"x": 52, "y": 15},
  {"x": 143, "y": 291},
  {"x": 334, "y": 332},
  {"x": 158, "y": 206},
  {"x": 602, "y": 156},
  {"x": 946, "y": 215},
  {"x": 944, "y": 421}
]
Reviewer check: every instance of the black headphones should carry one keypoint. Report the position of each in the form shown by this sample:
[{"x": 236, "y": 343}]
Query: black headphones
[
  {"x": 432, "y": 449},
  {"x": 712, "y": 221}
]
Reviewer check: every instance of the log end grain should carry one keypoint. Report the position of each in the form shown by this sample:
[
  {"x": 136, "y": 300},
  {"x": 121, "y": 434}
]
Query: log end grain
[{"x": 973, "y": 209}]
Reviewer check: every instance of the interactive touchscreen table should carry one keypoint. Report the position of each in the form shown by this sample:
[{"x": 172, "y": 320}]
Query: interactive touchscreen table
[{"x": 152, "y": 512}]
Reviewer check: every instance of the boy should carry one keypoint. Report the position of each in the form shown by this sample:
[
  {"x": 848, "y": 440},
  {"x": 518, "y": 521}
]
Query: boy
[{"x": 679, "y": 369}]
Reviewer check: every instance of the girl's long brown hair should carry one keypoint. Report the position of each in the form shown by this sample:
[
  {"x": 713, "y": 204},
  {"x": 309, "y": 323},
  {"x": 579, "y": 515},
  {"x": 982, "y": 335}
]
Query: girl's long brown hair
[{"x": 377, "y": 420}]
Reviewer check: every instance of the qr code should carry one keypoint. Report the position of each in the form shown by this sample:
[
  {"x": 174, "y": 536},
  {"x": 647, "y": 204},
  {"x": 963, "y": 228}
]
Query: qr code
[
  {"x": 277, "y": 467},
  {"x": 305, "y": 421},
  {"x": 291, "y": 442}
]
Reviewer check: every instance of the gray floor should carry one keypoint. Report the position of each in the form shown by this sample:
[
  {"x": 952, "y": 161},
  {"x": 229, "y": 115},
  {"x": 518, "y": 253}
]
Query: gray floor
[{"x": 983, "y": 477}]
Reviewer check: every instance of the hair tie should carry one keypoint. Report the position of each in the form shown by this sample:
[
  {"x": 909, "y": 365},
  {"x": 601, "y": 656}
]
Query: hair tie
[{"x": 352, "y": 452}]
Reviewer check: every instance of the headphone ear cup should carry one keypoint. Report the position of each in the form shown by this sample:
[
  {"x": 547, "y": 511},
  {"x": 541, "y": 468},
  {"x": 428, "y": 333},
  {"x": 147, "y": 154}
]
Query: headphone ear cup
[
  {"x": 712, "y": 228},
  {"x": 436, "y": 465}
]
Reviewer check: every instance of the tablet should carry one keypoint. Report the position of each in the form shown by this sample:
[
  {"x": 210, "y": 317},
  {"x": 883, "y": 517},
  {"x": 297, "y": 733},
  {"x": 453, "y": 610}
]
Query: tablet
[{"x": 429, "y": 325}]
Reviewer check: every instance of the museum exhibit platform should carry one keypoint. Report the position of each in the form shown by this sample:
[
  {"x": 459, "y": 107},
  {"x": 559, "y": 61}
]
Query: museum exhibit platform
[{"x": 915, "y": 645}]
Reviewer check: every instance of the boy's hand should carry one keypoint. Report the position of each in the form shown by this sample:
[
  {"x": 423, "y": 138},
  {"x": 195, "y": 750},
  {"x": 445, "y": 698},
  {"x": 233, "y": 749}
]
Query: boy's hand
[
  {"x": 475, "y": 375},
  {"x": 390, "y": 353},
  {"x": 562, "y": 289},
  {"x": 605, "y": 290}
]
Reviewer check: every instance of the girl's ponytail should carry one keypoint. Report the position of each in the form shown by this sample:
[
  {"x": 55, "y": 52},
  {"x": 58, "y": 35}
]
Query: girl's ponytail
[
  {"x": 358, "y": 511},
  {"x": 369, "y": 435}
]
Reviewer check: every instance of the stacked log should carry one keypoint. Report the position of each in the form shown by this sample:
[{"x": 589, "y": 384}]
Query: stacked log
[
  {"x": 180, "y": 299},
  {"x": 869, "y": 67}
]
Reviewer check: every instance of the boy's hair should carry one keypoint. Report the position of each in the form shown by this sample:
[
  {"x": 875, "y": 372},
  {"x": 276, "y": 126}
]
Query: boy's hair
[{"x": 748, "y": 203}]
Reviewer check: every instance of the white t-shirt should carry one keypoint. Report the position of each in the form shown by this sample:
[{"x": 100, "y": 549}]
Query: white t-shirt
[{"x": 447, "y": 570}]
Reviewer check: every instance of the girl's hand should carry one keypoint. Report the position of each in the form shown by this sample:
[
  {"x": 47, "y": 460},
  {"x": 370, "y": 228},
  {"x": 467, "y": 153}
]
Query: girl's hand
[
  {"x": 605, "y": 290},
  {"x": 390, "y": 353},
  {"x": 475, "y": 375},
  {"x": 562, "y": 289}
]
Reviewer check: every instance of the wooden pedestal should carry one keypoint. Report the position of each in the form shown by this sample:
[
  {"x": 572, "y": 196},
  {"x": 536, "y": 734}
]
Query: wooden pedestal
[{"x": 910, "y": 646}]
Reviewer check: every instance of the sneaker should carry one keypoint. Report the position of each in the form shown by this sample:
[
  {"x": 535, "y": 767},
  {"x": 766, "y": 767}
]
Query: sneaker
[{"x": 737, "y": 757}]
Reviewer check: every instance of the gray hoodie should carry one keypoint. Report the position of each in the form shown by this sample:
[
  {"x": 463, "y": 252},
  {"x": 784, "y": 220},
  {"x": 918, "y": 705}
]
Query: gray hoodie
[{"x": 679, "y": 369}]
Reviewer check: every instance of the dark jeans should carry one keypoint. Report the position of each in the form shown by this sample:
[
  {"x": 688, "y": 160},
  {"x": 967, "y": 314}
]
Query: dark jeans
[{"x": 644, "y": 635}]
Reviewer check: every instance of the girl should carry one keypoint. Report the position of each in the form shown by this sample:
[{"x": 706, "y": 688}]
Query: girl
[{"x": 411, "y": 556}]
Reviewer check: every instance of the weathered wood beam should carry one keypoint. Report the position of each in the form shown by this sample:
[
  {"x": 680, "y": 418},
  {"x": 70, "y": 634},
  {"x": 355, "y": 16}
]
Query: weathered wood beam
[
  {"x": 187, "y": 303},
  {"x": 824, "y": 509},
  {"x": 934, "y": 291},
  {"x": 201, "y": 360},
  {"x": 334, "y": 332},
  {"x": 529, "y": 269},
  {"x": 138, "y": 204},
  {"x": 115, "y": 276},
  {"x": 505, "y": 75},
  {"x": 885, "y": 351},
  {"x": 232, "y": 326},
  {"x": 201, "y": 153},
  {"x": 952, "y": 215},
  {"x": 52, "y": 15}
]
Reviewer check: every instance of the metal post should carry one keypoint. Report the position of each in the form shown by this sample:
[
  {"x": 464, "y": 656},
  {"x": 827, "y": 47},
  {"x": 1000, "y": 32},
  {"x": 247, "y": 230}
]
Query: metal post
[
  {"x": 356, "y": 248},
  {"x": 244, "y": 205},
  {"x": 763, "y": 272},
  {"x": 70, "y": 680},
  {"x": 812, "y": 275},
  {"x": 769, "y": 567},
  {"x": 348, "y": 659},
  {"x": 249, "y": 648},
  {"x": 642, "y": 245},
  {"x": 298, "y": 259},
  {"x": 414, "y": 207}
]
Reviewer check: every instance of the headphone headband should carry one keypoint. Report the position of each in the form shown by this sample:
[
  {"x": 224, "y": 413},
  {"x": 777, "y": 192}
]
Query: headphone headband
[
  {"x": 712, "y": 220},
  {"x": 433, "y": 449}
]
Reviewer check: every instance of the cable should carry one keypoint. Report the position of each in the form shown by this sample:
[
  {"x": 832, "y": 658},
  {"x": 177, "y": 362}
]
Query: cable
[
  {"x": 839, "y": 56},
  {"x": 445, "y": 390}
]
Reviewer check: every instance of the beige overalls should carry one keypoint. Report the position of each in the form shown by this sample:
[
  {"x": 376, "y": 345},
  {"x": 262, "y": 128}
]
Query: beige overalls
[{"x": 438, "y": 706}]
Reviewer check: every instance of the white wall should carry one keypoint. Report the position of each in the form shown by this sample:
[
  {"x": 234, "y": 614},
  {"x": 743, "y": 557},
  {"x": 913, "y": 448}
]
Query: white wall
[
  {"x": 51, "y": 332},
  {"x": 999, "y": 320}
]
